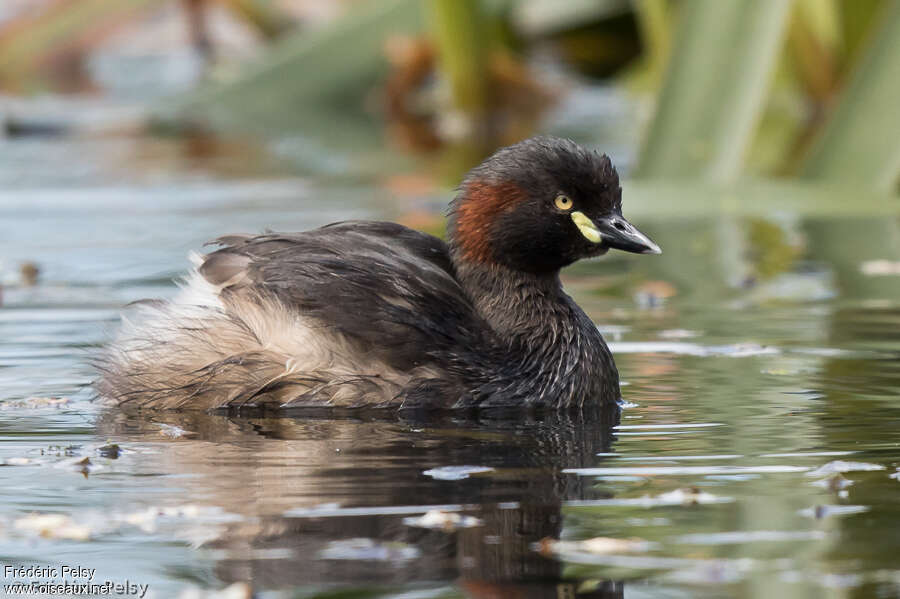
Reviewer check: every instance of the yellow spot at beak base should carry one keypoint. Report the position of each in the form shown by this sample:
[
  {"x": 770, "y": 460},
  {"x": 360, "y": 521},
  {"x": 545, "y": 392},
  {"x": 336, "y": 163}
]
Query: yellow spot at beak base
[{"x": 587, "y": 227}]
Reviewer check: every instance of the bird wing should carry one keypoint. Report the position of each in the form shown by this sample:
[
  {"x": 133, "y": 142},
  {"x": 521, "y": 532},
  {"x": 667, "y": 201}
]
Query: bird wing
[{"x": 387, "y": 288}]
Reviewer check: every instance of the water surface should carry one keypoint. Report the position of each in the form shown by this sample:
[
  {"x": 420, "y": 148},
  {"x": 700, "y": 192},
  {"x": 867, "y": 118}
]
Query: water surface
[{"x": 756, "y": 455}]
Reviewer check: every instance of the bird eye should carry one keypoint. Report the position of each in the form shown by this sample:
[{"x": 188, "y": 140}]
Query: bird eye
[{"x": 563, "y": 202}]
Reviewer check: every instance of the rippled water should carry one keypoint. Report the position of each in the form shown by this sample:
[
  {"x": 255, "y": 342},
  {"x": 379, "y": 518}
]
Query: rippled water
[{"x": 756, "y": 457}]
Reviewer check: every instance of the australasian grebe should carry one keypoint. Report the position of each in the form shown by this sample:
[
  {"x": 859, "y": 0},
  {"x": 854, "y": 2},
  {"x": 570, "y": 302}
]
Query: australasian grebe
[{"x": 375, "y": 314}]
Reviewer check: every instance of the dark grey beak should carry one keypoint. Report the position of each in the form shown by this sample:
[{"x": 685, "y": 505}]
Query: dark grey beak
[{"x": 616, "y": 232}]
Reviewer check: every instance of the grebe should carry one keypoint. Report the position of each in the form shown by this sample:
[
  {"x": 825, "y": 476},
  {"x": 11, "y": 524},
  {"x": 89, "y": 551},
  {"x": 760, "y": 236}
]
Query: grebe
[{"x": 374, "y": 314}]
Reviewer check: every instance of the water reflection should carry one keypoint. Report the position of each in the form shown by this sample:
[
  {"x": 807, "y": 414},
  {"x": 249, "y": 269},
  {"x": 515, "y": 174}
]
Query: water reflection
[
  {"x": 757, "y": 351},
  {"x": 308, "y": 490}
]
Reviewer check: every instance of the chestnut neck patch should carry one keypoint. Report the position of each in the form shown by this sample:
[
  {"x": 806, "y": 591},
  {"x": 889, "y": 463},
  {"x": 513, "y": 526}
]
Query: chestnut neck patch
[{"x": 476, "y": 209}]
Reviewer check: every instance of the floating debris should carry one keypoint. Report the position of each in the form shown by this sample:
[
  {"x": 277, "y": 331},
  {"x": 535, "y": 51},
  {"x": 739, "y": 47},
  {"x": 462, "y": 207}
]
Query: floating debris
[
  {"x": 736, "y": 350},
  {"x": 173, "y": 432},
  {"x": 149, "y": 519},
  {"x": 688, "y": 496},
  {"x": 192, "y": 523},
  {"x": 53, "y": 526},
  {"x": 838, "y": 466},
  {"x": 71, "y": 457},
  {"x": 620, "y": 479},
  {"x": 369, "y": 550},
  {"x": 440, "y": 520},
  {"x": 658, "y": 521},
  {"x": 456, "y": 472},
  {"x": 712, "y": 572},
  {"x": 29, "y": 272},
  {"x": 549, "y": 547},
  {"x": 678, "y": 334},
  {"x": 880, "y": 268},
  {"x": 835, "y": 483},
  {"x": 784, "y": 371},
  {"x": 612, "y": 332},
  {"x": 110, "y": 450},
  {"x": 820, "y": 512},
  {"x": 327, "y": 511},
  {"x": 84, "y": 465},
  {"x": 684, "y": 470},
  {"x": 61, "y": 450},
  {"x": 750, "y": 536},
  {"x": 731, "y": 477},
  {"x": 35, "y": 403}
]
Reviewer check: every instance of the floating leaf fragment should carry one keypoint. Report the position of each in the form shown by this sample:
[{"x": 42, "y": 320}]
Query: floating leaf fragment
[
  {"x": 549, "y": 547},
  {"x": 84, "y": 465},
  {"x": 688, "y": 496},
  {"x": 678, "y": 334},
  {"x": 456, "y": 472},
  {"x": 684, "y": 470},
  {"x": 53, "y": 526},
  {"x": 820, "y": 512},
  {"x": 173, "y": 432},
  {"x": 736, "y": 350},
  {"x": 838, "y": 466},
  {"x": 834, "y": 483},
  {"x": 441, "y": 520},
  {"x": 880, "y": 268},
  {"x": 750, "y": 536},
  {"x": 34, "y": 403},
  {"x": 369, "y": 550},
  {"x": 148, "y": 519},
  {"x": 110, "y": 450}
]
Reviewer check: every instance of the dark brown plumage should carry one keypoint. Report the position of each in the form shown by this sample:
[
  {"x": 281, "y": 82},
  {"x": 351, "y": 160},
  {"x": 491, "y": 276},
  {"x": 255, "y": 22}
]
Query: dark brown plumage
[{"x": 375, "y": 314}]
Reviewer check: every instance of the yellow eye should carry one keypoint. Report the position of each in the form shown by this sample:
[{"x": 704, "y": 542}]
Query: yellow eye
[{"x": 563, "y": 202}]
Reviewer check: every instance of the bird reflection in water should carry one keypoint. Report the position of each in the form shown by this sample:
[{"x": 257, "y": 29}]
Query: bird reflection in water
[{"x": 304, "y": 485}]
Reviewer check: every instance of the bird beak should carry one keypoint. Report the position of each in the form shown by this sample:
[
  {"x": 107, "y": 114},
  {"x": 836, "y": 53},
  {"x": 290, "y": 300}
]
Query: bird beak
[{"x": 615, "y": 232}]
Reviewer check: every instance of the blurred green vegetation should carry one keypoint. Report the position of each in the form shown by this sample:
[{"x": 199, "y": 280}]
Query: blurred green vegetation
[
  {"x": 714, "y": 88},
  {"x": 735, "y": 64},
  {"x": 739, "y": 88},
  {"x": 859, "y": 142},
  {"x": 26, "y": 45}
]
